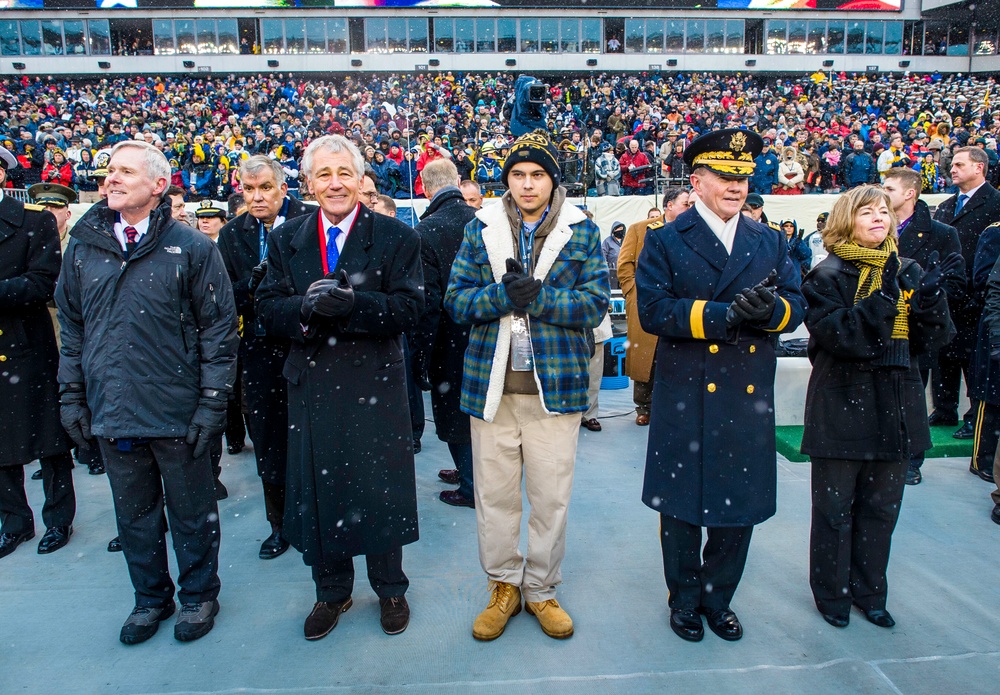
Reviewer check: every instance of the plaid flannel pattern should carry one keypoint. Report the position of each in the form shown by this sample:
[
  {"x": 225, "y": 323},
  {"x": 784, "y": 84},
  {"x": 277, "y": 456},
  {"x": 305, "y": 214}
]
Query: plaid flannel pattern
[{"x": 573, "y": 300}]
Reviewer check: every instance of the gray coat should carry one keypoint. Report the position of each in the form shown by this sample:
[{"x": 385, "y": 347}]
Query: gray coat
[{"x": 147, "y": 334}]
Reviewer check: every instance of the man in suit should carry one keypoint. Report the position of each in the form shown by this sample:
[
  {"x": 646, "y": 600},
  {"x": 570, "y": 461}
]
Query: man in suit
[
  {"x": 148, "y": 360},
  {"x": 439, "y": 343},
  {"x": 715, "y": 286},
  {"x": 29, "y": 403},
  {"x": 343, "y": 285},
  {"x": 970, "y": 211},
  {"x": 243, "y": 244},
  {"x": 929, "y": 243}
]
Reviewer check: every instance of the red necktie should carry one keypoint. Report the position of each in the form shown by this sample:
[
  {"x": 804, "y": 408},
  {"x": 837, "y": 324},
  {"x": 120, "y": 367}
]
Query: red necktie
[{"x": 131, "y": 237}]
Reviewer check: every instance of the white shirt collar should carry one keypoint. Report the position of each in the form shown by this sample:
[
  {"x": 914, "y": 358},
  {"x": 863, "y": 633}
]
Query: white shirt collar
[
  {"x": 723, "y": 229},
  {"x": 141, "y": 227},
  {"x": 345, "y": 226}
]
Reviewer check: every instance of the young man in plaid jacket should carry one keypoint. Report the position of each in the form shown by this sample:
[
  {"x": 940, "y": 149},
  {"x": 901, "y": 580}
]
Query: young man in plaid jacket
[{"x": 530, "y": 280}]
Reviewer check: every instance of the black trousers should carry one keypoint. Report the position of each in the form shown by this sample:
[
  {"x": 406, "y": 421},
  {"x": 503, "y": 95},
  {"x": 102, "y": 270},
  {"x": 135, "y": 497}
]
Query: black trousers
[
  {"x": 236, "y": 431},
  {"x": 987, "y": 436},
  {"x": 265, "y": 395},
  {"x": 60, "y": 499},
  {"x": 335, "y": 579},
  {"x": 946, "y": 381},
  {"x": 461, "y": 454},
  {"x": 855, "y": 508},
  {"x": 414, "y": 395},
  {"x": 163, "y": 473},
  {"x": 697, "y": 578}
]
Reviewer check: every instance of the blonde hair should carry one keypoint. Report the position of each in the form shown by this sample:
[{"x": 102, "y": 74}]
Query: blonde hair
[{"x": 840, "y": 225}]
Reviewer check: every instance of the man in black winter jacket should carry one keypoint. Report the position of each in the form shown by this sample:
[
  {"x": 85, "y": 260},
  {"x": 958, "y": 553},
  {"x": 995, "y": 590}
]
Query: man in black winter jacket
[{"x": 147, "y": 362}]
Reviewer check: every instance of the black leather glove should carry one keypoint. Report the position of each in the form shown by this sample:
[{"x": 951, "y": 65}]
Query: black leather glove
[
  {"x": 734, "y": 316},
  {"x": 75, "y": 415},
  {"x": 521, "y": 288},
  {"x": 320, "y": 288},
  {"x": 257, "y": 276},
  {"x": 890, "y": 285},
  {"x": 208, "y": 421},
  {"x": 937, "y": 271},
  {"x": 340, "y": 299}
]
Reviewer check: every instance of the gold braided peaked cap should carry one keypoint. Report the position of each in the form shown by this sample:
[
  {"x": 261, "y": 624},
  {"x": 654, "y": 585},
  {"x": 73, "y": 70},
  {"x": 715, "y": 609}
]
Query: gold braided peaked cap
[{"x": 730, "y": 152}]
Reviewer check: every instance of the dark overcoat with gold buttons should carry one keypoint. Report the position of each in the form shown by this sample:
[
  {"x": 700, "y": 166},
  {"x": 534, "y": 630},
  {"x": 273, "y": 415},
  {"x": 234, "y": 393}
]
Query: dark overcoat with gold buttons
[
  {"x": 351, "y": 486},
  {"x": 29, "y": 360},
  {"x": 711, "y": 456}
]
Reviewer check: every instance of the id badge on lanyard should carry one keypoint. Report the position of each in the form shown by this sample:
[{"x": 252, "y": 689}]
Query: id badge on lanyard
[{"x": 521, "y": 357}]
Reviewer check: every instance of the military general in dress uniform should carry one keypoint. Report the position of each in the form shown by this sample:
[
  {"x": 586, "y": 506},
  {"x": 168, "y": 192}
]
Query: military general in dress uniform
[{"x": 715, "y": 286}]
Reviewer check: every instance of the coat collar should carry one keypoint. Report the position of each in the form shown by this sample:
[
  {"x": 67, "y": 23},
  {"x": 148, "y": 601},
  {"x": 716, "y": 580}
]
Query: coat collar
[
  {"x": 978, "y": 198},
  {"x": 447, "y": 197},
  {"x": 305, "y": 262},
  {"x": 499, "y": 239},
  {"x": 11, "y": 216}
]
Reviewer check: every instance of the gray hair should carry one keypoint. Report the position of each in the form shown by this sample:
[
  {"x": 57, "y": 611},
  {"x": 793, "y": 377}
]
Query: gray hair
[
  {"x": 252, "y": 166},
  {"x": 437, "y": 175},
  {"x": 157, "y": 166},
  {"x": 333, "y": 144}
]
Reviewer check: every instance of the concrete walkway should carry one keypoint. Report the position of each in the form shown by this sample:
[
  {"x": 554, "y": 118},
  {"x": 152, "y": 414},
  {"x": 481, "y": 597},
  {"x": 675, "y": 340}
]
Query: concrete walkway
[{"x": 60, "y": 614}]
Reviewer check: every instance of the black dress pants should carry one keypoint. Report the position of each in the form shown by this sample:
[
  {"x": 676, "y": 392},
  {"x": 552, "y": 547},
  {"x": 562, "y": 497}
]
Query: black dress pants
[
  {"x": 946, "y": 382},
  {"x": 855, "y": 508},
  {"x": 697, "y": 578},
  {"x": 163, "y": 472},
  {"x": 335, "y": 578},
  {"x": 60, "y": 499}
]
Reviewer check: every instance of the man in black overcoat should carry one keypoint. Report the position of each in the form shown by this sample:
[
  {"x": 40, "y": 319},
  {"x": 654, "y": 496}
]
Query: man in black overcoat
[
  {"x": 243, "y": 244},
  {"x": 29, "y": 360},
  {"x": 343, "y": 285},
  {"x": 924, "y": 240},
  {"x": 970, "y": 211},
  {"x": 438, "y": 342}
]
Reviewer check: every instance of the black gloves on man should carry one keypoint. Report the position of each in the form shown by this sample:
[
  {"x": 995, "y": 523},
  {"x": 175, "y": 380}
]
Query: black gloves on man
[
  {"x": 754, "y": 304},
  {"x": 208, "y": 421},
  {"x": 521, "y": 287},
  {"x": 75, "y": 415},
  {"x": 328, "y": 298},
  {"x": 257, "y": 276}
]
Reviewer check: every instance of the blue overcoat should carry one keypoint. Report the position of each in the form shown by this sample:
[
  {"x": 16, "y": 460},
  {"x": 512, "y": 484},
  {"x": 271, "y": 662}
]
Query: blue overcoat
[{"x": 711, "y": 457}]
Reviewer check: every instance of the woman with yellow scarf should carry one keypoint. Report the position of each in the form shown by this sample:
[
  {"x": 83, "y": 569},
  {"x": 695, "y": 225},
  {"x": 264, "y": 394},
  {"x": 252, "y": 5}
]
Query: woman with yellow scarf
[{"x": 870, "y": 314}]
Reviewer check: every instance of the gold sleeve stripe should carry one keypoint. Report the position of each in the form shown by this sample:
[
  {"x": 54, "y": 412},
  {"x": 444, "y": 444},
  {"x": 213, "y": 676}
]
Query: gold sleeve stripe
[
  {"x": 788, "y": 316},
  {"x": 698, "y": 319}
]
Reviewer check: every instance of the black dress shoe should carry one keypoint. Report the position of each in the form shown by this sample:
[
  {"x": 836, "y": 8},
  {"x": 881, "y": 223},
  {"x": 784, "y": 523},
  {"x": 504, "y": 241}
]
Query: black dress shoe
[
  {"x": 995, "y": 514},
  {"x": 878, "y": 616},
  {"x": 592, "y": 424},
  {"x": 97, "y": 468},
  {"x": 235, "y": 448},
  {"x": 395, "y": 614},
  {"x": 54, "y": 538},
  {"x": 939, "y": 418},
  {"x": 221, "y": 492},
  {"x": 324, "y": 618},
  {"x": 115, "y": 545},
  {"x": 416, "y": 446},
  {"x": 37, "y": 475},
  {"x": 449, "y": 475},
  {"x": 686, "y": 624},
  {"x": 836, "y": 620},
  {"x": 10, "y": 541},
  {"x": 966, "y": 431},
  {"x": 456, "y": 499},
  {"x": 913, "y": 476},
  {"x": 275, "y": 545},
  {"x": 981, "y": 474},
  {"x": 723, "y": 622}
]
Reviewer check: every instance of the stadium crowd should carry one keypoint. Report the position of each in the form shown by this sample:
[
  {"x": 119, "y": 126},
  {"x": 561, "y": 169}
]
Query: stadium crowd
[{"x": 616, "y": 134}]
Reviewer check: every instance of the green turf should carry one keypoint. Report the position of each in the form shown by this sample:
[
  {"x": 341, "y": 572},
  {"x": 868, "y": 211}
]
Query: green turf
[{"x": 789, "y": 439}]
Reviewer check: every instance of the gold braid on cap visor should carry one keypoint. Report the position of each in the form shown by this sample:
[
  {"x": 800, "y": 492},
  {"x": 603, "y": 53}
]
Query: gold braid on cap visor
[{"x": 724, "y": 161}]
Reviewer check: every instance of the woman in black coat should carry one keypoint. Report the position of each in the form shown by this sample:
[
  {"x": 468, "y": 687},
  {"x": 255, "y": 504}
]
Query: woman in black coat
[{"x": 870, "y": 314}]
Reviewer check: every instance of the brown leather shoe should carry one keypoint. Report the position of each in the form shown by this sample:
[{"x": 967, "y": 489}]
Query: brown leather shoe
[
  {"x": 324, "y": 618},
  {"x": 592, "y": 424},
  {"x": 642, "y": 420},
  {"x": 505, "y": 603},
  {"x": 395, "y": 614},
  {"x": 449, "y": 475}
]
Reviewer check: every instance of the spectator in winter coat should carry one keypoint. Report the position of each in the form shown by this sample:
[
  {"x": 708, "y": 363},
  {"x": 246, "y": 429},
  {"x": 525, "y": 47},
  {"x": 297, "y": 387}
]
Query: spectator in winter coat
[
  {"x": 798, "y": 250},
  {"x": 59, "y": 170},
  {"x": 765, "y": 174},
  {"x": 790, "y": 174},
  {"x": 607, "y": 172},
  {"x": 858, "y": 167}
]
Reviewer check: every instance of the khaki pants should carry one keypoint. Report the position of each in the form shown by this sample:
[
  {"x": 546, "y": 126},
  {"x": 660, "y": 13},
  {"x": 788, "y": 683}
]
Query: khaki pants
[
  {"x": 596, "y": 374},
  {"x": 522, "y": 437}
]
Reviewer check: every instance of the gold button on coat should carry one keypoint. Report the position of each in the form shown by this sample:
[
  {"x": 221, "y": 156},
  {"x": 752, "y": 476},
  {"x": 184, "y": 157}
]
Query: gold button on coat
[
  {"x": 753, "y": 349},
  {"x": 3, "y": 358},
  {"x": 713, "y": 348},
  {"x": 711, "y": 388},
  {"x": 750, "y": 388}
]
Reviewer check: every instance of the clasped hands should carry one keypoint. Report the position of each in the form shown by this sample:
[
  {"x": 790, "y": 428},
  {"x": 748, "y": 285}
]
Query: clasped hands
[
  {"x": 328, "y": 298},
  {"x": 754, "y": 304},
  {"x": 521, "y": 287}
]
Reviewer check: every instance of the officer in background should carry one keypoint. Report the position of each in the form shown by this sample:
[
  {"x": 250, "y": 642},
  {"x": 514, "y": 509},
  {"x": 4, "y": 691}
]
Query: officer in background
[
  {"x": 29, "y": 398},
  {"x": 243, "y": 243},
  {"x": 715, "y": 286}
]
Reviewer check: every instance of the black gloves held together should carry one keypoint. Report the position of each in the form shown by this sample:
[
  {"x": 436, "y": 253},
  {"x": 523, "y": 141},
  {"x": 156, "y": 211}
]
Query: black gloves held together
[
  {"x": 257, "y": 277},
  {"x": 328, "y": 298},
  {"x": 521, "y": 287},
  {"x": 890, "y": 285},
  {"x": 754, "y": 304}
]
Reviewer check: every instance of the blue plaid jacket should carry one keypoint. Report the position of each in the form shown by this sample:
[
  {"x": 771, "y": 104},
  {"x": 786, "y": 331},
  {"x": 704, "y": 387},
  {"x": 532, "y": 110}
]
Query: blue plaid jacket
[{"x": 573, "y": 300}]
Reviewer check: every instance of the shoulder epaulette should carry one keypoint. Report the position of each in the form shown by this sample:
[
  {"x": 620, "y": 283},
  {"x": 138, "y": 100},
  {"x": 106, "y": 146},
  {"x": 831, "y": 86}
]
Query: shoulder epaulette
[
  {"x": 32, "y": 206},
  {"x": 656, "y": 225},
  {"x": 995, "y": 224},
  {"x": 773, "y": 225}
]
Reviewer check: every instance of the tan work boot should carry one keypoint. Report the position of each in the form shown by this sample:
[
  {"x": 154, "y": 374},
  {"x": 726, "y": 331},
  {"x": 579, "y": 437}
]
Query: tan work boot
[
  {"x": 505, "y": 603},
  {"x": 554, "y": 620}
]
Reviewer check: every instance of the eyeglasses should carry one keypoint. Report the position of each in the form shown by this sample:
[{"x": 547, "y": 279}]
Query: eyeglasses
[{"x": 372, "y": 196}]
